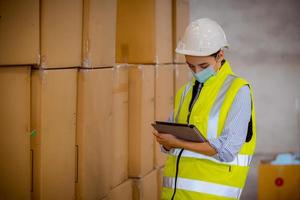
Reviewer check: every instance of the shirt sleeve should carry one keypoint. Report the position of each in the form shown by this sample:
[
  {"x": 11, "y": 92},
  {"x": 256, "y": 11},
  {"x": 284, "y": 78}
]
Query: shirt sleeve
[
  {"x": 170, "y": 119},
  {"x": 235, "y": 131}
]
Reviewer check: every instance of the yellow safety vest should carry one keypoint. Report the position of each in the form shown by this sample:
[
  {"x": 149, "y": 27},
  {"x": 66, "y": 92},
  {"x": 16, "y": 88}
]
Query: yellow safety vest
[{"x": 201, "y": 176}]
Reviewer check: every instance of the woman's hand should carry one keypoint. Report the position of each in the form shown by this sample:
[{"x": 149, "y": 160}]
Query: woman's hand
[{"x": 167, "y": 140}]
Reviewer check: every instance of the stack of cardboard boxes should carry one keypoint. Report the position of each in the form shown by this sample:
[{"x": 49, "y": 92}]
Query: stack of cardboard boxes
[
  {"x": 74, "y": 123},
  {"x": 144, "y": 40},
  {"x": 180, "y": 22},
  {"x": 98, "y": 85},
  {"x": 47, "y": 36},
  {"x": 18, "y": 50},
  {"x": 53, "y": 100}
]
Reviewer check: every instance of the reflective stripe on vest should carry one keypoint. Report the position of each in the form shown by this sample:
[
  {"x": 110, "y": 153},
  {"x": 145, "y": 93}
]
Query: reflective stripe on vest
[
  {"x": 240, "y": 160},
  {"x": 212, "y": 129},
  {"x": 186, "y": 90},
  {"x": 203, "y": 187}
]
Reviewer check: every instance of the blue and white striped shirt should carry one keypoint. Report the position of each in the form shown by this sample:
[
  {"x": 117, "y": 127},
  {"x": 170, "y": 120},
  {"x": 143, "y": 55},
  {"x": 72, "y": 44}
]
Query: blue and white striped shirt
[{"x": 235, "y": 130}]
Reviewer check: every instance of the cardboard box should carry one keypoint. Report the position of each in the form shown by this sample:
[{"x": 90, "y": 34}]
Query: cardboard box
[
  {"x": 146, "y": 188},
  {"x": 99, "y": 31},
  {"x": 144, "y": 31},
  {"x": 61, "y": 33},
  {"x": 53, "y": 118},
  {"x": 183, "y": 75},
  {"x": 164, "y": 98},
  {"x": 279, "y": 182},
  {"x": 19, "y": 35},
  {"x": 181, "y": 17},
  {"x": 15, "y": 133},
  {"x": 120, "y": 126},
  {"x": 122, "y": 191},
  {"x": 94, "y": 130},
  {"x": 141, "y": 115}
]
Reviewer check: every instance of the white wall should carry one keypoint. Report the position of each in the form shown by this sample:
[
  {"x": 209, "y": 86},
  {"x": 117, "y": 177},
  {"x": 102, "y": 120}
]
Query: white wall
[{"x": 264, "y": 38}]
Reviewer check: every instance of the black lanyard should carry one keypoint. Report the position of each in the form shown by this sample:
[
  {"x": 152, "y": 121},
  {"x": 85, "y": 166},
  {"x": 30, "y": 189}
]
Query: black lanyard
[{"x": 196, "y": 92}]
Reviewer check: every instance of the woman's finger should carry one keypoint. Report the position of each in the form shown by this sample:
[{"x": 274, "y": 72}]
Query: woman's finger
[{"x": 157, "y": 134}]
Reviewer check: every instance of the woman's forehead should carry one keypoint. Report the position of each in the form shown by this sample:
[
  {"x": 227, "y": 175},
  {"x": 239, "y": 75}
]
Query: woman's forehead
[{"x": 199, "y": 60}]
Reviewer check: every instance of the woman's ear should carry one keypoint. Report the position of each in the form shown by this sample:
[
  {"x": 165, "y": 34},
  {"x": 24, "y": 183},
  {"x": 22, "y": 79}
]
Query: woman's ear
[{"x": 220, "y": 56}]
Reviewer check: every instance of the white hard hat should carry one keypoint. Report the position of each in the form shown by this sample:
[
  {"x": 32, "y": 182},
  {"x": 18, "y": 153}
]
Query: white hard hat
[{"x": 202, "y": 37}]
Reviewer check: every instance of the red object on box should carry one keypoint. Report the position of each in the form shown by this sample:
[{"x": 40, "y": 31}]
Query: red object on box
[{"x": 279, "y": 182}]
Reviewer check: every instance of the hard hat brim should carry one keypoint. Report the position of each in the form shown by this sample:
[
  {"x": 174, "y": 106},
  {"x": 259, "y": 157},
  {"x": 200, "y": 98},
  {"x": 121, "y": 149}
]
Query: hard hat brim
[{"x": 198, "y": 53}]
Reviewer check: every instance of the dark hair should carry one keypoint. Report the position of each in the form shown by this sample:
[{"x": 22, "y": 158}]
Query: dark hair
[{"x": 215, "y": 54}]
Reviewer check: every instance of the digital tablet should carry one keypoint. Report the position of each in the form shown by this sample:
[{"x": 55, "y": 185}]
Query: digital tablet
[{"x": 187, "y": 132}]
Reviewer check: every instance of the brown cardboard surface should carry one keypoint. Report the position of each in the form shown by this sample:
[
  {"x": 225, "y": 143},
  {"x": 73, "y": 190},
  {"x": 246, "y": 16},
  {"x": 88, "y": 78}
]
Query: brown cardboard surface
[
  {"x": 15, "y": 133},
  {"x": 181, "y": 17},
  {"x": 146, "y": 188},
  {"x": 163, "y": 31},
  {"x": 19, "y": 32},
  {"x": 94, "y": 130},
  {"x": 122, "y": 191},
  {"x": 53, "y": 117},
  {"x": 120, "y": 126},
  {"x": 182, "y": 75},
  {"x": 164, "y": 98},
  {"x": 99, "y": 30},
  {"x": 144, "y": 31},
  {"x": 279, "y": 182},
  {"x": 141, "y": 115},
  {"x": 61, "y": 33}
]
